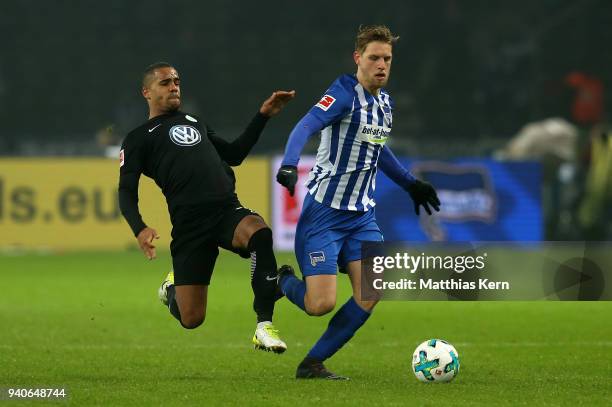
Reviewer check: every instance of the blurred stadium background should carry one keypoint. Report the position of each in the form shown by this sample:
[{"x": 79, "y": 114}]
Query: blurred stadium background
[
  {"x": 504, "y": 106},
  {"x": 474, "y": 83}
]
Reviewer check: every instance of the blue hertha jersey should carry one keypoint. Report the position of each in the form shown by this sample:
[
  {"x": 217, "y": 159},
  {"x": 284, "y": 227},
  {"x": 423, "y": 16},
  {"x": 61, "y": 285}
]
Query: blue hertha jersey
[{"x": 356, "y": 127}]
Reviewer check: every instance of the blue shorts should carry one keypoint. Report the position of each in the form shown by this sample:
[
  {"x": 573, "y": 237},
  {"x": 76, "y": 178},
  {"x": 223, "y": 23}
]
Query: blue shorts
[{"x": 326, "y": 237}]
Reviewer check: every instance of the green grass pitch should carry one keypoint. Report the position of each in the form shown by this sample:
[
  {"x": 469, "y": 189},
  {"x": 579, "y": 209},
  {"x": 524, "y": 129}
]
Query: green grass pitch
[{"x": 91, "y": 322}]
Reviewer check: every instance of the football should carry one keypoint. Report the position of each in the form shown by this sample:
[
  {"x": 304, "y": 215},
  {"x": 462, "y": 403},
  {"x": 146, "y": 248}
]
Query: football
[{"x": 435, "y": 361}]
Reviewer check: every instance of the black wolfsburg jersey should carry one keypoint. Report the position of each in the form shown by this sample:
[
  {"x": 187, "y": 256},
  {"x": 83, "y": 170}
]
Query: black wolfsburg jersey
[{"x": 185, "y": 159}]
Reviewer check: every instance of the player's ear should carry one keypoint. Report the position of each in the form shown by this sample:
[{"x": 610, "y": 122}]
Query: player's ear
[
  {"x": 356, "y": 57},
  {"x": 145, "y": 92}
]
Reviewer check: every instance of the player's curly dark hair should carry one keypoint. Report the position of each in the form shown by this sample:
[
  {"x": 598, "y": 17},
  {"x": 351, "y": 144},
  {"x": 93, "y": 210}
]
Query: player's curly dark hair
[{"x": 370, "y": 33}]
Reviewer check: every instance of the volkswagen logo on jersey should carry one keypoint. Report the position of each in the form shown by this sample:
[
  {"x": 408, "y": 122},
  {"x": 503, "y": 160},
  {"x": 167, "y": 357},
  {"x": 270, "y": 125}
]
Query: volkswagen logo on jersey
[{"x": 185, "y": 135}]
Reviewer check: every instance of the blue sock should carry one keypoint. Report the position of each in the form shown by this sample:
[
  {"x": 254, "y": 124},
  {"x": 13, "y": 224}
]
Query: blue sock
[
  {"x": 294, "y": 289},
  {"x": 340, "y": 330}
]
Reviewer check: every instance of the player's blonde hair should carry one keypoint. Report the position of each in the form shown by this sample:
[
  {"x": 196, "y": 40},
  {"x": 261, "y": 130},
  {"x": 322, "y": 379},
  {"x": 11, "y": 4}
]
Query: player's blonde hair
[{"x": 370, "y": 33}]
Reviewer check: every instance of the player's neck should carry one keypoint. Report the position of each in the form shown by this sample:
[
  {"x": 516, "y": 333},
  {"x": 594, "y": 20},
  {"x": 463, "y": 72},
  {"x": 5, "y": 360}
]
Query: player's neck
[
  {"x": 372, "y": 90},
  {"x": 157, "y": 112}
]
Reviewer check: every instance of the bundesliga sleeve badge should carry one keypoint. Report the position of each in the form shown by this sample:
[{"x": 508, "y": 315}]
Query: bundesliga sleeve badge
[
  {"x": 121, "y": 158},
  {"x": 325, "y": 102}
]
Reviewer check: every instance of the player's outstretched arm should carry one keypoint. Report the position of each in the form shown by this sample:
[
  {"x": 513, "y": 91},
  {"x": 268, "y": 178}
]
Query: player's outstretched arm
[
  {"x": 130, "y": 168},
  {"x": 128, "y": 201},
  {"x": 335, "y": 104},
  {"x": 287, "y": 174},
  {"x": 128, "y": 204},
  {"x": 276, "y": 102},
  {"x": 422, "y": 193},
  {"x": 235, "y": 152}
]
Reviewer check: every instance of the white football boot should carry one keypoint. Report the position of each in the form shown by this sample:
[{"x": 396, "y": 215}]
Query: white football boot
[
  {"x": 266, "y": 338},
  {"x": 162, "y": 293}
]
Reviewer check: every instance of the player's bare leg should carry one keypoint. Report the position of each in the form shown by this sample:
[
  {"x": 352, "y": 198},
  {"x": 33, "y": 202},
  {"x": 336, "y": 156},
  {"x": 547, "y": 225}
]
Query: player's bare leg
[
  {"x": 191, "y": 301},
  {"x": 187, "y": 303},
  {"x": 254, "y": 235},
  {"x": 316, "y": 295},
  {"x": 343, "y": 325},
  {"x": 355, "y": 275},
  {"x": 320, "y": 297}
]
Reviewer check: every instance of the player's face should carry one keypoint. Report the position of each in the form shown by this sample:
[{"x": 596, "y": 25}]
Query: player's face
[
  {"x": 374, "y": 65},
  {"x": 164, "y": 90}
]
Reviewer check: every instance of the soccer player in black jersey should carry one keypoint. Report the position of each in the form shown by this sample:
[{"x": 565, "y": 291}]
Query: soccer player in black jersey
[{"x": 191, "y": 165}]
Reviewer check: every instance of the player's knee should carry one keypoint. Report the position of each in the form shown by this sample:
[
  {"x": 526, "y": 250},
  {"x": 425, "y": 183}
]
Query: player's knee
[
  {"x": 192, "y": 320},
  {"x": 261, "y": 238},
  {"x": 320, "y": 306}
]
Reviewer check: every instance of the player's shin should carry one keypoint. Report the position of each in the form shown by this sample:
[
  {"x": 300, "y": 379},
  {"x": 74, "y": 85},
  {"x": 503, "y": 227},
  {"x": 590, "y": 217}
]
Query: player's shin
[
  {"x": 343, "y": 325},
  {"x": 263, "y": 274},
  {"x": 167, "y": 295},
  {"x": 172, "y": 304},
  {"x": 293, "y": 288}
]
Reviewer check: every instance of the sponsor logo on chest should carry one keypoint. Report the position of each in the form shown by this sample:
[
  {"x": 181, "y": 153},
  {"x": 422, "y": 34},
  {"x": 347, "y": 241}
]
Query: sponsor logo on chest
[
  {"x": 183, "y": 135},
  {"x": 373, "y": 134}
]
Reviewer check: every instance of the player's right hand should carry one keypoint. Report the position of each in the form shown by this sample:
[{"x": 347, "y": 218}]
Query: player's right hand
[
  {"x": 287, "y": 176},
  {"x": 145, "y": 241}
]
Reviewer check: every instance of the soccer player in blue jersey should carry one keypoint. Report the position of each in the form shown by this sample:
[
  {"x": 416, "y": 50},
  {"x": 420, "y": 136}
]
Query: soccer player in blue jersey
[{"x": 355, "y": 119}]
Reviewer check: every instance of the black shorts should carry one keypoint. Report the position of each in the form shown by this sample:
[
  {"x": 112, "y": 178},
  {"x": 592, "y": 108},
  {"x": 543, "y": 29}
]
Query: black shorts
[{"x": 197, "y": 233}]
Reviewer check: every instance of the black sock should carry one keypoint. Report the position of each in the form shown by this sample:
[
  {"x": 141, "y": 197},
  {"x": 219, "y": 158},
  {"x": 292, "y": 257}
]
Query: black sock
[
  {"x": 263, "y": 274},
  {"x": 172, "y": 305}
]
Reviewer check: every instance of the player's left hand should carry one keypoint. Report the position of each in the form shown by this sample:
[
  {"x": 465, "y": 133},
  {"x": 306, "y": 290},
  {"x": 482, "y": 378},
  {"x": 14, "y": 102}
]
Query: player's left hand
[
  {"x": 423, "y": 194},
  {"x": 275, "y": 103}
]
